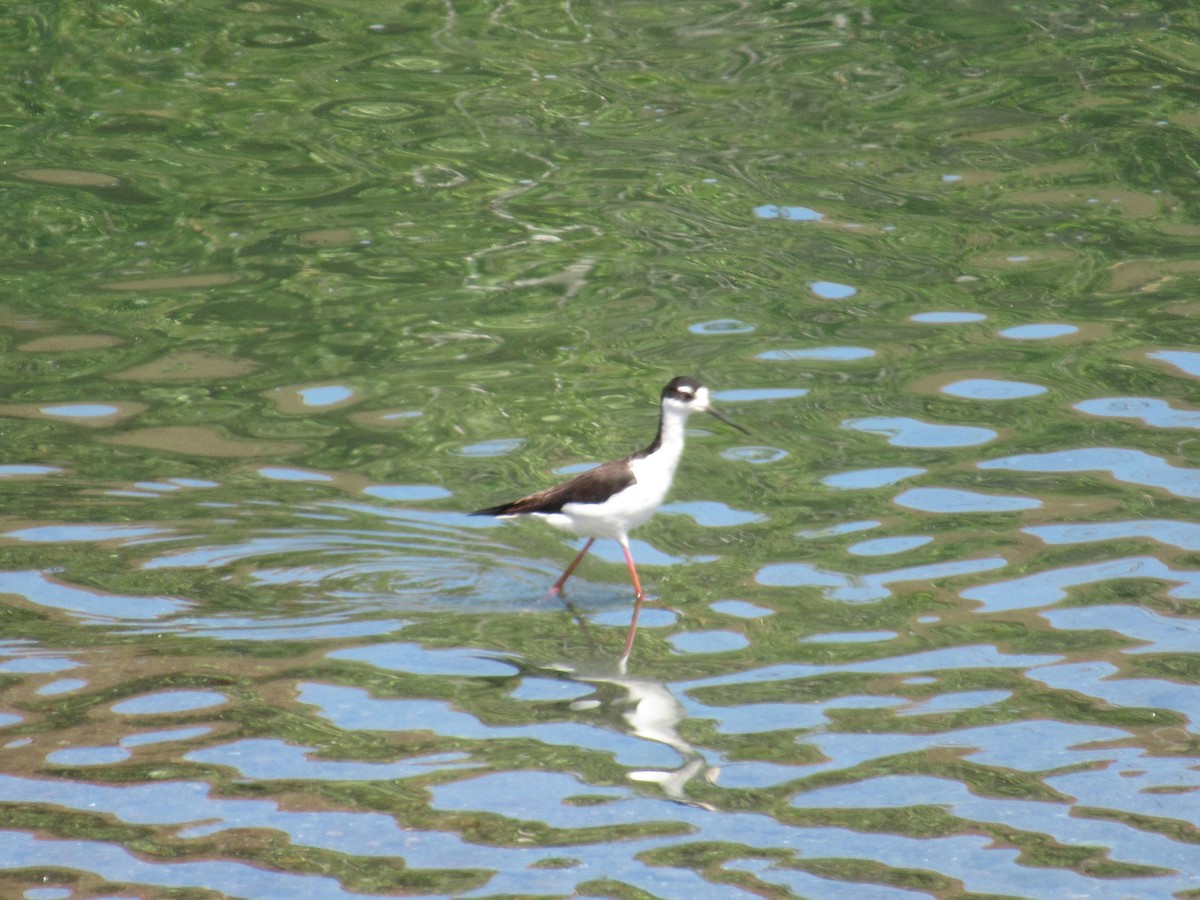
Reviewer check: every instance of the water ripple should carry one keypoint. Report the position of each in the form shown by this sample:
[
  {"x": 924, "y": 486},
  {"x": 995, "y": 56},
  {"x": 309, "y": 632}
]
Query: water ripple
[
  {"x": 1130, "y": 466},
  {"x": 1158, "y": 633},
  {"x": 353, "y": 709},
  {"x": 1156, "y": 413},
  {"x": 953, "y": 500},
  {"x": 1049, "y": 587},
  {"x": 1184, "y": 535},
  {"x": 931, "y": 637},
  {"x": 115, "y": 864},
  {"x": 905, "y": 432},
  {"x": 851, "y": 588}
]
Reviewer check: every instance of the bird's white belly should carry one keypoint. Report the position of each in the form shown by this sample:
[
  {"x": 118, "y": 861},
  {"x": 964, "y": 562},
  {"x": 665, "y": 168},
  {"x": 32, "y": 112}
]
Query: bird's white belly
[
  {"x": 615, "y": 517},
  {"x": 627, "y": 509}
]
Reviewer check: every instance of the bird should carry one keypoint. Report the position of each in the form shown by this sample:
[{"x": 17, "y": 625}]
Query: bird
[{"x": 612, "y": 499}]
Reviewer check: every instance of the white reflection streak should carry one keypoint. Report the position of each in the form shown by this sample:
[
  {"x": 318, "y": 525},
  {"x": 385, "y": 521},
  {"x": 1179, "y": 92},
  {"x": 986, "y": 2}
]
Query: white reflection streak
[{"x": 654, "y": 715}]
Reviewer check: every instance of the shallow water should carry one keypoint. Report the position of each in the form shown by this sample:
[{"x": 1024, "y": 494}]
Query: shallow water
[{"x": 292, "y": 287}]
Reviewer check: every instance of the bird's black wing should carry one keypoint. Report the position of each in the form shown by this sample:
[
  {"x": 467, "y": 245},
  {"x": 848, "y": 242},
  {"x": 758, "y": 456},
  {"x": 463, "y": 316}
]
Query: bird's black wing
[{"x": 593, "y": 486}]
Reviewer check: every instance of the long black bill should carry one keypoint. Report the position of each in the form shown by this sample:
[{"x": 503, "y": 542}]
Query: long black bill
[{"x": 731, "y": 424}]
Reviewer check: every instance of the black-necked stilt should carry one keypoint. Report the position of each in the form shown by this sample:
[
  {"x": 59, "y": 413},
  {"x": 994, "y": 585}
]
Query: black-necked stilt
[{"x": 612, "y": 499}]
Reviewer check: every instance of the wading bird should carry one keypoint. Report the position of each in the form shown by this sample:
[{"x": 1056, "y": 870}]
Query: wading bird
[{"x": 616, "y": 497}]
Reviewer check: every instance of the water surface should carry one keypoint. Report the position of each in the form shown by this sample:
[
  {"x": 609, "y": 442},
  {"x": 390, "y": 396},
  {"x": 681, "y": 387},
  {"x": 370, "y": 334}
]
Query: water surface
[{"x": 290, "y": 287}]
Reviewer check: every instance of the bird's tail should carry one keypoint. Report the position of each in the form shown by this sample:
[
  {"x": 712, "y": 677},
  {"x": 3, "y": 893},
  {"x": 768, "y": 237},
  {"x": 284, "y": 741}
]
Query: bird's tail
[{"x": 500, "y": 510}]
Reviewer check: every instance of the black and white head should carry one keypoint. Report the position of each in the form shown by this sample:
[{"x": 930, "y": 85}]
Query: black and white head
[{"x": 687, "y": 395}]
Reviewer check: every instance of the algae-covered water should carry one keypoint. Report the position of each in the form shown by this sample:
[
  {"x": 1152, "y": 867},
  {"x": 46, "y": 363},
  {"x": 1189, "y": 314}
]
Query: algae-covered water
[{"x": 288, "y": 288}]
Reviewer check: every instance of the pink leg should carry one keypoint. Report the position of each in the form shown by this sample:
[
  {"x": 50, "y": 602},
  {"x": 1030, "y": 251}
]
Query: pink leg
[
  {"x": 558, "y": 585},
  {"x": 637, "y": 606}
]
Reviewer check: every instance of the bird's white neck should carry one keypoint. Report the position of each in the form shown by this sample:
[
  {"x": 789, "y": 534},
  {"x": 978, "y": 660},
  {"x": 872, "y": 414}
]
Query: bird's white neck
[
  {"x": 654, "y": 467},
  {"x": 668, "y": 443}
]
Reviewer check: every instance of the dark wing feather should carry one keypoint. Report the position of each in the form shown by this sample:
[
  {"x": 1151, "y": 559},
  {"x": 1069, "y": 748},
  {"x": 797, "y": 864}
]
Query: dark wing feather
[{"x": 593, "y": 486}]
